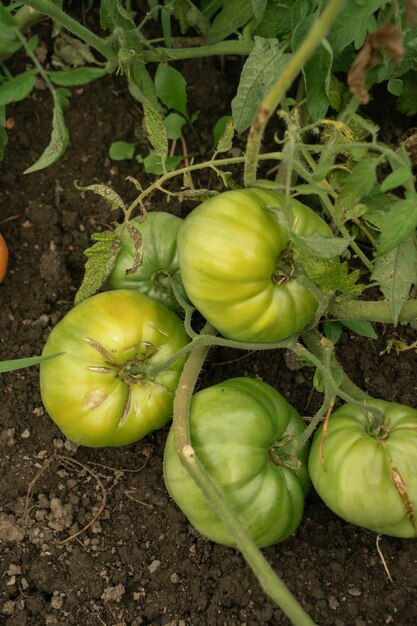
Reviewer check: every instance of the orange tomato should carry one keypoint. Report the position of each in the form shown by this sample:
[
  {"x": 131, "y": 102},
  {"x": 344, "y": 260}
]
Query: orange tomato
[{"x": 4, "y": 255}]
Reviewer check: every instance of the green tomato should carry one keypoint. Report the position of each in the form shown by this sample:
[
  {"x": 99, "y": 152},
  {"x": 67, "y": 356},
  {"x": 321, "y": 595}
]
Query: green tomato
[
  {"x": 148, "y": 257},
  {"x": 230, "y": 249},
  {"x": 100, "y": 391},
  {"x": 366, "y": 471},
  {"x": 241, "y": 430}
]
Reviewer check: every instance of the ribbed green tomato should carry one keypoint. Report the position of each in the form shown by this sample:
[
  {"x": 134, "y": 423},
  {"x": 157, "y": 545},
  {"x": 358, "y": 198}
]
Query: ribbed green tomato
[
  {"x": 155, "y": 240},
  {"x": 99, "y": 391},
  {"x": 368, "y": 471},
  {"x": 230, "y": 250},
  {"x": 241, "y": 431}
]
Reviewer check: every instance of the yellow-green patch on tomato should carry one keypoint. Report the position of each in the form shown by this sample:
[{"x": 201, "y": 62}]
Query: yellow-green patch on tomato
[
  {"x": 241, "y": 431},
  {"x": 100, "y": 391},
  {"x": 365, "y": 469},
  {"x": 232, "y": 250},
  {"x": 148, "y": 258}
]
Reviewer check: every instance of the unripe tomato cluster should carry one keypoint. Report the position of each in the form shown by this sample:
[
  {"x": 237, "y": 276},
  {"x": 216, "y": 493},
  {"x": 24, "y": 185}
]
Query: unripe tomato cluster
[{"x": 231, "y": 258}]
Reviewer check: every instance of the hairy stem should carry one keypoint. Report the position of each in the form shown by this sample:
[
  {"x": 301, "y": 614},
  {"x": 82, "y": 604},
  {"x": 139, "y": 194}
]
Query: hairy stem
[
  {"x": 317, "y": 32},
  {"x": 269, "y": 581},
  {"x": 373, "y": 311},
  {"x": 55, "y": 13}
]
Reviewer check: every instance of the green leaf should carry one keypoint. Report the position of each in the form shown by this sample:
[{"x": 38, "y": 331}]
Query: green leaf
[
  {"x": 358, "y": 184},
  {"x": 121, "y": 150},
  {"x": 258, "y": 8},
  {"x": 319, "y": 380},
  {"x": 153, "y": 164},
  {"x": 157, "y": 133},
  {"x": 174, "y": 124},
  {"x": 101, "y": 258},
  {"x": 320, "y": 247},
  {"x": 59, "y": 136},
  {"x": 234, "y": 14},
  {"x": 407, "y": 101},
  {"x": 396, "y": 272},
  {"x": 397, "y": 178},
  {"x": 107, "y": 193},
  {"x": 262, "y": 68},
  {"x": 333, "y": 331},
  {"x": 7, "y": 18},
  {"x": 395, "y": 86},
  {"x": 17, "y": 364},
  {"x": 77, "y": 76},
  {"x": 361, "y": 327},
  {"x": 399, "y": 223},
  {"x": 17, "y": 88},
  {"x": 331, "y": 275},
  {"x": 353, "y": 23},
  {"x": 171, "y": 88},
  {"x": 223, "y": 132}
]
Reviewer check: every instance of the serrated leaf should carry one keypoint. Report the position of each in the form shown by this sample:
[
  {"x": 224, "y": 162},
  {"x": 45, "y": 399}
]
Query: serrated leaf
[
  {"x": 361, "y": 327},
  {"x": 101, "y": 259},
  {"x": 111, "y": 196},
  {"x": 262, "y": 68},
  {"x": 331, "y": 275},
  {"x": 399, "y": 223},
  {"x": 157, "y": 133},
  {"x": 77, "y": 76},
  {"x": 234, "y": 14},
  {"x": 320, "y": 247},
  {"x": 59, "y": 136},
  {"x": 396, "y": 179},
  {"x": 358, "y": 184},
  {"x": 17, "y": 88},
  {"x": 225, "y": 142},
  {"x": 396, "y": 272},
  {"x": 171, "y": 88}
]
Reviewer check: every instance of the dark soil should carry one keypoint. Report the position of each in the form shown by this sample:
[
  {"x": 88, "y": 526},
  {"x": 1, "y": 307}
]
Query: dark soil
[{"x": 140, "y": 561}]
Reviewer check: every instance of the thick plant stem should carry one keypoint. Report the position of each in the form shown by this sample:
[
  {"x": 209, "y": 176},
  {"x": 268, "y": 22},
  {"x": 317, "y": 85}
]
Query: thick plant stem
[
  {"x": 269, "y": 581},
  {"x": 55, "y": 13},
  {"x": 373, "y": 311},
  {"x": 273, "y": 98}
]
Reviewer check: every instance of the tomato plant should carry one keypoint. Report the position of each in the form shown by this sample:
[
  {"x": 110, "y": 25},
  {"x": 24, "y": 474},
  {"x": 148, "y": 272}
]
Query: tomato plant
[
  {"x": 4, "y": 257},
  {"x": 237, "y": 268},
  {"x": 148, "y": 258},
  {"x": 101, "y": 390},
  {"x": 365, "y": 468},
  {"x": 241, "y": 430}
]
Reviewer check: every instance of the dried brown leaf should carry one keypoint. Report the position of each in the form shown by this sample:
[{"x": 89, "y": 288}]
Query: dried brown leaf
[
  {"x": 410, "y": 10},
  {"x": 388, "y": 36}
]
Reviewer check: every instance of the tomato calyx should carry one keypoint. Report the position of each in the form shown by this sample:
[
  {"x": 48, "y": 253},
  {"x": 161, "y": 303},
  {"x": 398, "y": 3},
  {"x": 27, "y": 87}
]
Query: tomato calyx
[
  {"x": 283, "y": 454},
  {"x": 378, "y": 428},
  {"x": 161, "y": 280},
  {"x": 284, "y": 268}
]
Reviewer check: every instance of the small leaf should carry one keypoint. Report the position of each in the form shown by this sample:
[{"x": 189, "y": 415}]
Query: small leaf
[
  {"x": 395, "y": 86},
  {"x": 101, "y": 258},
  {"x": 321, "y": 247},
  {"x": 121, "y": 150},
  {"x": 396, "y": 272},
  {"x": 397, "y": 178},
  {"x": 399, "y": 223},
  {"x": 157, "y": 133},
  {"x": 111, "y": 196},
  {"x": 59, "y": 136},
  {"x": 17, "y": 88},
  {"x": 225, "y": 141},
  {"x": 171, "y": 88},
  {"x": 233, "y": 15},
  {"x": 358, "y": 184},
  {"x": 331, "y": 275},
  {"x": 153, "y": 164},
  {"x": 174, "y": 124},
  {"x": 332, "y": 330},
  {"x": 319, "y": 380},
  {"x": 17, "y": 364},
  {"x": 361, "y": 327},
  {"x": 78, "y": 76}
]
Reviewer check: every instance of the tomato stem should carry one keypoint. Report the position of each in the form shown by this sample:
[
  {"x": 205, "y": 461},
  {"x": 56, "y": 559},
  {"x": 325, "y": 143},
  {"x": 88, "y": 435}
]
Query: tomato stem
[{"x": 269, "y": 581}]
